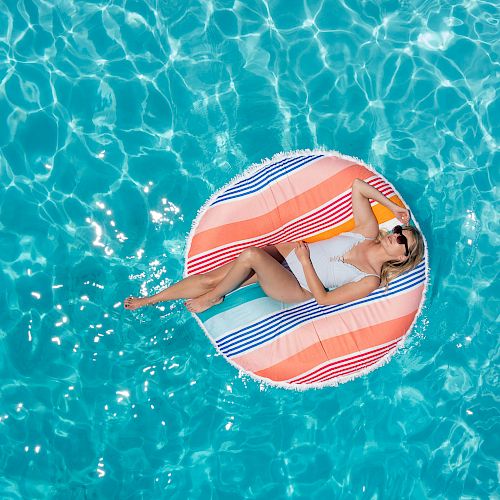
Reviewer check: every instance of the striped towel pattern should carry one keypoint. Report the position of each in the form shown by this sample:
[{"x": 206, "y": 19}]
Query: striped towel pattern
[{"x": 304, "y": 195}]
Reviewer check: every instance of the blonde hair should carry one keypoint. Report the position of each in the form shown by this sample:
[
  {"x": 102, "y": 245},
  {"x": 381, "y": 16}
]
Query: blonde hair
[{"x": 394, "y": 268}]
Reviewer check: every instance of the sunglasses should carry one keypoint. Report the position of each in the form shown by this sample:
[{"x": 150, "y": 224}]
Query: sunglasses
[{"x": 401, "y": 239}]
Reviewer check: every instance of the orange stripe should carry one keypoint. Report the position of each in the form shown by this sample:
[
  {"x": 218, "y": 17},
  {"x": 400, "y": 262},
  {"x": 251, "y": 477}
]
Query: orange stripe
[
  {"x": 343, "y": 345},
  {"x": 281, "y": 214},
  {"x": 343, "y": 322},
  {"x": 369, "y": 315},
  {"x": 296, "y": 341},
  {"x": 383, "y": 214},
  {"x": 372, "y": 336},
  {"x": 260, "y": 203}
]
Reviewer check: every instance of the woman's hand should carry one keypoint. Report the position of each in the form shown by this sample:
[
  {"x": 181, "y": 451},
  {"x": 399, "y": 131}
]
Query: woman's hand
[
  {"x": 401, "y": 213},
  {"x": 302, "y": 251}
]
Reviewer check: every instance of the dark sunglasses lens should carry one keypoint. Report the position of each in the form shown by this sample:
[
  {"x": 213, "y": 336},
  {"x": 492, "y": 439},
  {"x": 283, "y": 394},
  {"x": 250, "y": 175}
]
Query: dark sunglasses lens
[
  {"x": 397, "y": 229},
  {"x": 401, "y": 239}
]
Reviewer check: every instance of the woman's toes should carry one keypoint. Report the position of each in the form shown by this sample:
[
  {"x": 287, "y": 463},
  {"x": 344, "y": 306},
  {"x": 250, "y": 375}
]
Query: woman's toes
[
  {"x": 189, "y": 305},
  {"x": 132, "y": 303}
]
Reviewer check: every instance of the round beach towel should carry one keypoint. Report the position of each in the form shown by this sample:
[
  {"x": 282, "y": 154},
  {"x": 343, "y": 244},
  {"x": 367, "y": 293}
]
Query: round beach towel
[{"x": 305, "y": 195}]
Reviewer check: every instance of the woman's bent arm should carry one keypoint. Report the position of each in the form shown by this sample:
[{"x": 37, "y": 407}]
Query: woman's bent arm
[
  {"x": 350, "y": 291},
  {"x": 370, "y": 192},
  {"x": 313, "y": 282},
  {"x": 342, "y": 294},
  {"x": 361, "y": 208}
]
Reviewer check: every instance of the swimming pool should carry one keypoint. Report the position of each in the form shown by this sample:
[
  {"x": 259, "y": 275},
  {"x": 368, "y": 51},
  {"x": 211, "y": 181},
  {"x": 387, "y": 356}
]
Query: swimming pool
[{"x": 118, "y": 121}]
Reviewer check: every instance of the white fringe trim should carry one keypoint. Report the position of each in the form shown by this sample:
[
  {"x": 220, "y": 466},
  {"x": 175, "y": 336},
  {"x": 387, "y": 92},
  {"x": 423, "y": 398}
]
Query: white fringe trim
[{"x": 342, "y": 379}]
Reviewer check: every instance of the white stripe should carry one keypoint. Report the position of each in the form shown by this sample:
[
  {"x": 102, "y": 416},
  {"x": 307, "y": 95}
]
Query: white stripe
[
  {"x": 259, "y": 334},
  {"x": 234, "y": 196},
  {"x": 324, "y": 223}
]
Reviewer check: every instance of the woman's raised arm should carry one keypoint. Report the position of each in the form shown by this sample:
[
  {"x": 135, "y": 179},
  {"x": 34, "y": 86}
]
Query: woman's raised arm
[{"x": 365, "y": 221}]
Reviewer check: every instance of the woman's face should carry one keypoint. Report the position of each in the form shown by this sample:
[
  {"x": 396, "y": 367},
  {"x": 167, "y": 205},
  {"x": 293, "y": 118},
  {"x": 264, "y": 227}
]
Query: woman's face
[{"x": 396, "y": 250}]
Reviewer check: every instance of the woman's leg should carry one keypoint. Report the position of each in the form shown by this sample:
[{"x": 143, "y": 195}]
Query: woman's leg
[
  {"x": 276, "y": 281},
  {"x": 196, "y": 285}
]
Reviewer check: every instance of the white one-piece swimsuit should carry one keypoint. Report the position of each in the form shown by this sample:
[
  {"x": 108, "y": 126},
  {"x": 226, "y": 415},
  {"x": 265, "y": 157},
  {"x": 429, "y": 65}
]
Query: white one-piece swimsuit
[{"x": 327, "y": 260}]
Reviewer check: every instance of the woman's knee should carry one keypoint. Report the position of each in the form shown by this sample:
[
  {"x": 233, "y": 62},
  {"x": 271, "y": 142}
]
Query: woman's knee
[
  {"x": 251, "y": 253},
  {"x": 209, "y": 280}
]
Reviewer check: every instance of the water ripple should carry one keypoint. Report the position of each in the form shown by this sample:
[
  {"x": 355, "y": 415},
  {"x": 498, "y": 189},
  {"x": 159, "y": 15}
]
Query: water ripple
[{"x": 119, "y": 121}]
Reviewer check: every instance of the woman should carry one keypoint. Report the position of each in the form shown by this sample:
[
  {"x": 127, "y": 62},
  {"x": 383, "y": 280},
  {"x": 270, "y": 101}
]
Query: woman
[{"x": 334, "y": 271}]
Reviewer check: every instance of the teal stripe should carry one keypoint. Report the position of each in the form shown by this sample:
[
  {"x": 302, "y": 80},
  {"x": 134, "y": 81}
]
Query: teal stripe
[
  {"x": 242, "y": 316},
  {"x": 234, "y": 299}
]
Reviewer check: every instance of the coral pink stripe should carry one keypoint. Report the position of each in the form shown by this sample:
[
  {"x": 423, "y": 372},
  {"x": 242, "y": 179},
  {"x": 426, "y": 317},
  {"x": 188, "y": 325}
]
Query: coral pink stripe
[
  {"x": 342, "y": 323},
  {"x": 293, "y": 342},
  {"x": 306, "y": 347},
  {"x": 343, "y": 345},
  {"x": 335, "y": 213},
  {"x": 331, "y": 368},
  {"x": 276, "y": 216},
  {"x": 349, "y": 370},
  {"x": 220, "y": 256},
  {"x": 352, "y": 319},
  {"x": 305, "y": 178}
]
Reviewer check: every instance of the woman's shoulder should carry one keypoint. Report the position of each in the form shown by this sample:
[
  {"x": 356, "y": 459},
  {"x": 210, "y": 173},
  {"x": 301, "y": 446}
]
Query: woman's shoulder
[{"x": 369, "y": 231}]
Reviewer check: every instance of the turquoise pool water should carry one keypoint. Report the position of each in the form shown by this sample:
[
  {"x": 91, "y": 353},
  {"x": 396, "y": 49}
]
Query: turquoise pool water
[{"x": 118, "y": 120}]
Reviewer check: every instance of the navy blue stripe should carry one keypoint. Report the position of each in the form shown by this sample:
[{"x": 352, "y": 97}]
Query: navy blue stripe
[
  {"x": 265, "y": 171},
  {"x": 307, "y": 311},
  {"x": 256, "y": 185},
  {"x": 238, "y": 341},
  {"x": 237, "y": 191},
  {"x": 262, "y": 173},
  {"x": 283, "y": 321},
  {"x": 256, "y": 177},
  {"x": 240, "y": 335},
  {"x": 269, "y": 335},
  {"x": 396, "y": 285}
]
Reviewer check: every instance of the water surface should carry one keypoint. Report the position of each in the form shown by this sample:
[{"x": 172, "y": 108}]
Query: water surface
[{"x": 119, "y": 119}]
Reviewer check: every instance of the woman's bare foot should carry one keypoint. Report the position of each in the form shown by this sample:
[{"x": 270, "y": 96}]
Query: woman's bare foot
[
  {"x": 202, "y": 303},
  {"x": 132, "y": 303}
]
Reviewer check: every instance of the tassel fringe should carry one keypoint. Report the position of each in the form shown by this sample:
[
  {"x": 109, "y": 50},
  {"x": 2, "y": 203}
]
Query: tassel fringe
[{"x": 339, "y": 380}]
